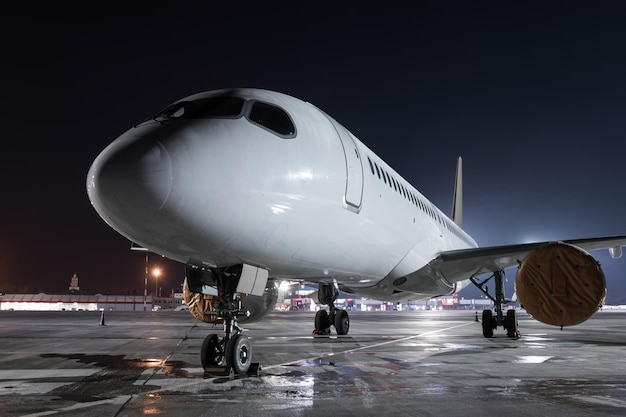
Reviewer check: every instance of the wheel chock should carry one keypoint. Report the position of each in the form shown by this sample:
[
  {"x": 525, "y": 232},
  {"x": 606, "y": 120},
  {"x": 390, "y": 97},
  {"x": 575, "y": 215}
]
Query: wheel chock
[
  {"x": 213, "y": 371},
  {"x": 255, "y": 369}
]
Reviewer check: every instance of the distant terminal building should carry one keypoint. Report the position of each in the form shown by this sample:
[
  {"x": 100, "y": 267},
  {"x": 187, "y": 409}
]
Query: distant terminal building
[
  {"x": 169, "y": 303},
  {"x": 74, "y": 300},
  {"x": 303, "y": 297},
  {"x": 291, "y": 297}
]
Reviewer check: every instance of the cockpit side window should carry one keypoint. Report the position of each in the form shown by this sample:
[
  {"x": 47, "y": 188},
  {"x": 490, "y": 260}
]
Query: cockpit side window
[
  {"x": 204, "y": 108},
  {"x": 272, "y": 118}
]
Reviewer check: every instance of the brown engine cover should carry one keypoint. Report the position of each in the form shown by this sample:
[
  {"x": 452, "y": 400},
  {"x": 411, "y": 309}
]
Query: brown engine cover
[{"x": 560, "y": 284}]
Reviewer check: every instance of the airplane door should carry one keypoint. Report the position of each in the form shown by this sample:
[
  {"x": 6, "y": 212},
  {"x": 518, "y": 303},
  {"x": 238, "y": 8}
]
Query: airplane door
[{"x": 354, "y": 168}]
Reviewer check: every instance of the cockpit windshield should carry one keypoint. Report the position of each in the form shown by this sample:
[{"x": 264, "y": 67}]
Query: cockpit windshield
[{"x": 203, "y": 108}]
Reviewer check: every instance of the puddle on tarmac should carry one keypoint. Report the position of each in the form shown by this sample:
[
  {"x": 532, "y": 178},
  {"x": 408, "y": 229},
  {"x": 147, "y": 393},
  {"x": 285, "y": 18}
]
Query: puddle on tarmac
[
  {"x": 175, "y": 369},
  {"x": 118, "y": 376}
]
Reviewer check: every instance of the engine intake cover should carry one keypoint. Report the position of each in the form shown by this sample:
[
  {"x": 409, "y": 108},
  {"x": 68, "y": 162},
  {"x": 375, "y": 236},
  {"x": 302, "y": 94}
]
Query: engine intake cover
[
  {"x": 560, "y": 284},
  {"x": 198, "y": 304}
]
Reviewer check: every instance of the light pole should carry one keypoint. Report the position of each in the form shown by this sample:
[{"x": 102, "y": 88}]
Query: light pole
[
  {"x": 145, "y": 285},
  {"x": 156, "y": 272}
]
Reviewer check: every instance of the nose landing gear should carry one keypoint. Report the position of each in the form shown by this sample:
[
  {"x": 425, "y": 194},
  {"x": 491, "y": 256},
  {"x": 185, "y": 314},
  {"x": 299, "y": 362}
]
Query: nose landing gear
[
  {"x": 232, "y": 353},
  {"x": 227, "y": 357}
]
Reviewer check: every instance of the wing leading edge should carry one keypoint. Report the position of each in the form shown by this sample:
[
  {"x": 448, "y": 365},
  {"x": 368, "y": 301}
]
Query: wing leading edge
[{"x": 459, "y": 265}]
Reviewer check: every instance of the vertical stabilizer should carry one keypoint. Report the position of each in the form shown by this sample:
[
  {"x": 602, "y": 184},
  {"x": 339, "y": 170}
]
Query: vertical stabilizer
[{"x": 457, "y": 200}]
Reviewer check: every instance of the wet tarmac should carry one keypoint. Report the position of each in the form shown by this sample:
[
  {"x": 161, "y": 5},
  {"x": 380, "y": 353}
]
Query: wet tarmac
[{"x": 409, "y": 363}]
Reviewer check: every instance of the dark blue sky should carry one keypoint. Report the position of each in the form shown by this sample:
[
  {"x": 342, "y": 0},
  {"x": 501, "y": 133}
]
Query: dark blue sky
[{"x": 532, "y": 95}]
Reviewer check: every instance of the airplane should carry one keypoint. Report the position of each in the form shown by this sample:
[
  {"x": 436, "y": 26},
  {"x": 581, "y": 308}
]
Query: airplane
[{"x": 247, "y": 187}]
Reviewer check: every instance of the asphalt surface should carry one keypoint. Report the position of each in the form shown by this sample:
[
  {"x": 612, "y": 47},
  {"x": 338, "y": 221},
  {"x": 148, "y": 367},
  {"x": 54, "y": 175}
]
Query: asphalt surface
[{"x": 426, "y": 363}]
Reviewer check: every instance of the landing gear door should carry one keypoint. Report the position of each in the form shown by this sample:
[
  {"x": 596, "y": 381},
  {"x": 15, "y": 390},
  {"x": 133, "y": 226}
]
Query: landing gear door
[{"x": 354, "y": 169}]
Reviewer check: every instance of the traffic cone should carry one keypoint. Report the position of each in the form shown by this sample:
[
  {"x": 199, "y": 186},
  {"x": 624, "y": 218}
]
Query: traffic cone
[
  {"x": 476, "y": 316},
  {"x": 102, "y": 319}
]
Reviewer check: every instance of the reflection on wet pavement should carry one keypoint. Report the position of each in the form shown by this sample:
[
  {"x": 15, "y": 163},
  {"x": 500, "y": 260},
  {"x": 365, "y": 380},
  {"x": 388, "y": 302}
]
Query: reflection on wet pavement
[{"x": 414, "y": 371}]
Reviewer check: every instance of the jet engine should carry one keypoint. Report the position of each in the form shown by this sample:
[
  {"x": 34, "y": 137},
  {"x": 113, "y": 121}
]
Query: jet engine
[
  {"x": 560, "y": 284},
  {"x": 257, "y": 306}
]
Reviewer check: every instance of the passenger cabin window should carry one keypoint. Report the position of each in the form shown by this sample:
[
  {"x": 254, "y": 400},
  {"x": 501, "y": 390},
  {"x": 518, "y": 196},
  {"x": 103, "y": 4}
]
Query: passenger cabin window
[
  {"x": 203, "y": 108},
  {"x": 272, "y": 118},
  {"x": 403, "y": 190},
  {"x": 371, "y": 165}
]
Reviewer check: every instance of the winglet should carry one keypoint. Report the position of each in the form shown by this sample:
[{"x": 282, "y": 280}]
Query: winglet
[{"x": 457, "y": 200}]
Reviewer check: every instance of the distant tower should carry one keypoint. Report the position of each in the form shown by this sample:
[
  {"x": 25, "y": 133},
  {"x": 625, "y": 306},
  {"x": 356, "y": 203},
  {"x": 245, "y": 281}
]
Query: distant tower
[{"x": 74, "y": 283}]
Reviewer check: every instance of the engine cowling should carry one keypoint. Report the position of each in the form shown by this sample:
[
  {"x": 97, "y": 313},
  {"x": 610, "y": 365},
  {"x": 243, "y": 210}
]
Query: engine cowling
[
  {"x": 258, "y": 306},
  {"x": 560, "y": 284}
]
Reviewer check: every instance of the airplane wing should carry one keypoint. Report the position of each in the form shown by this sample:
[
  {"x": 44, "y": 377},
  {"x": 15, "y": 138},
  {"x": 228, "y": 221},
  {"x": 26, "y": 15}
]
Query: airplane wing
[{"x": 458, "y": 265}]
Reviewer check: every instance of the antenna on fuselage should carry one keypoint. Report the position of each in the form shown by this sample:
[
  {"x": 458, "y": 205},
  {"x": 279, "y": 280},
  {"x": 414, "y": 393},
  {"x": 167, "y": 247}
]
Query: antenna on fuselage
[{"x": 457, "y": 199}]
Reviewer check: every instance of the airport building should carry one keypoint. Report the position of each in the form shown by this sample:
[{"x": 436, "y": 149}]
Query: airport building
[
  {"x": 169, "y": 303},
  {"x": 303, "y": 297},
  {"x": 74, "y": 300},
  {"x": 291, "y": 297}
]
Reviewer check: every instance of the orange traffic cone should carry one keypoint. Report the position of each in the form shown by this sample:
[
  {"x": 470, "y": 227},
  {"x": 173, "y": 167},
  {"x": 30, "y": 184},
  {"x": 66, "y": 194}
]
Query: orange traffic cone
[{"x": 102, "y": 319}]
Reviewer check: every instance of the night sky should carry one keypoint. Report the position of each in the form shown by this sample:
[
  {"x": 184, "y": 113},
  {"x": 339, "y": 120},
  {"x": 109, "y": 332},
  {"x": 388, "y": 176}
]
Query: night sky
[{"x": 531, "y": 95}]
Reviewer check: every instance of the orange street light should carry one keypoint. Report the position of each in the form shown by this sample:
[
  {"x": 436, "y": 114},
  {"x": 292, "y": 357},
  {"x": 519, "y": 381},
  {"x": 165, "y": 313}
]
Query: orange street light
[{"x": 156, "y": 272}]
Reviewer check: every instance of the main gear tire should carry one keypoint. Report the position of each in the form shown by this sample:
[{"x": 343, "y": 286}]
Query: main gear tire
[
  {"x": 487, "y": 323},
  {"x": 342, "y": 322}
]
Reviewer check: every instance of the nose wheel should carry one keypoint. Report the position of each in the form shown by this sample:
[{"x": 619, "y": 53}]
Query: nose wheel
[
  {"x": 221, "y": 357},
  {"x": 239, "y": 354},
  {"x": 212, "y": 353}
]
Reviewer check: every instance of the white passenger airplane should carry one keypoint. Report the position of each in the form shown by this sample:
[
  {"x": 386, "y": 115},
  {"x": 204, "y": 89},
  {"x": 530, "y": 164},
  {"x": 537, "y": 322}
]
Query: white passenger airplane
[{"x": 248, "y": 186}]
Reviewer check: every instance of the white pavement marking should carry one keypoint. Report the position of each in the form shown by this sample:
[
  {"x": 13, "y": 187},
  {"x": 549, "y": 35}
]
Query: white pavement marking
[
  {"x": 16, "y": 381},
  {"x": 15, "y": 374},
  {"x": 375, "y": 345},
  {"x": 79, "y": 406}
]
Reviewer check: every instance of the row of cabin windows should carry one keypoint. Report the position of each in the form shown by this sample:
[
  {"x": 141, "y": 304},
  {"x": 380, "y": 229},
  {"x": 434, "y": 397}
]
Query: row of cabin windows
[
  {"x": 399, "y": 187},
  {"x": 407, "y": 194}
]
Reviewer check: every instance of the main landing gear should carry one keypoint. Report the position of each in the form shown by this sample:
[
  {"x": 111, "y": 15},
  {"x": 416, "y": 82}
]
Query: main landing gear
[
  {"x": 231, "y": 353},
  {"x": 490, "y": 319},
  {"x": 327, "y": 294}
]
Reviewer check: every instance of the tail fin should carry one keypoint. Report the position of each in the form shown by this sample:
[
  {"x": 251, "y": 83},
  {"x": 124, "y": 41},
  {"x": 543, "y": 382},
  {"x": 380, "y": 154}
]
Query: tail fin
[{"x": 457, "y": 200}]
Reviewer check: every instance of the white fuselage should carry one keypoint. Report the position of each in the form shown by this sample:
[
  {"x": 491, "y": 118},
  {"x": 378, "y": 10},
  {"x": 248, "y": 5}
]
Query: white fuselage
[{"x": 315, "y": 205}]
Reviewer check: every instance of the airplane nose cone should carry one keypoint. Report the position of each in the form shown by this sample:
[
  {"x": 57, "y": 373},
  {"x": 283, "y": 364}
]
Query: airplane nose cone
[{"x": 129, "y": 182}]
